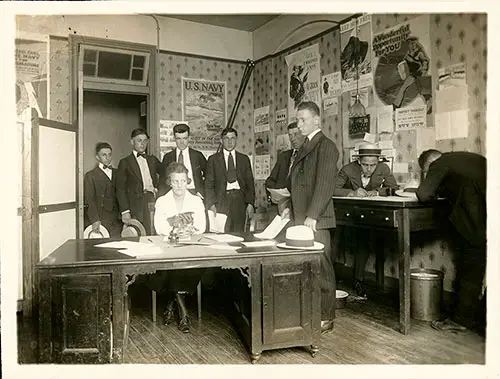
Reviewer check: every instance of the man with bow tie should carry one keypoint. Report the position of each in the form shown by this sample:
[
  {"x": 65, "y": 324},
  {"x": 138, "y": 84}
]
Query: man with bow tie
[
  {"x": 99, "y": 193},
  {"x": 137, "y": 181},
  {"x": 280, "y": 173}
]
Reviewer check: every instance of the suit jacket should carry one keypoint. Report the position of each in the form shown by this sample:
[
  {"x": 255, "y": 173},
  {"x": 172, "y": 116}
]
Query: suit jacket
[
  {"x": 198, "y": 166},
  {"x": 100, "y": 197},
  {"x": 216, "y": 179},
  {"x": 279, "y": 173},
  {"x": 460, "y": 177},
  {"x": 349, "y": 179},
  {"x": 129, "y": 186},
  {"x": 312, "y": 182}
]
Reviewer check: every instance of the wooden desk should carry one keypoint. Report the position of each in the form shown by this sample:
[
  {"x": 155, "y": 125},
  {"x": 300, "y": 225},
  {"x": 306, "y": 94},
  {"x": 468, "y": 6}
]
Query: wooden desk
[
  {"x": 83, "y": 304},
  {"x": 400, "y": 214}
]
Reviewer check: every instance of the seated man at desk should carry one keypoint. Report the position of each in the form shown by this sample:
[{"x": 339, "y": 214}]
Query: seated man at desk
[
  {"x": 460, "y": 177},
  {"x": 178, "y": 214},
  {"x": 364, "y": 177}
]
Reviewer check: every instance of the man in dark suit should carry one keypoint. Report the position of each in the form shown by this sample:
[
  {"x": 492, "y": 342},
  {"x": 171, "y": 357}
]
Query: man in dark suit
[
  {"x": 192, "y": 159},
  {"x": 137, "y": 181},
  {"x": 460, "y": 177},
  {"x": 281, "y": 170},
  {"x": 99, "y": 193},
  {"x": 312, "y": 182},
  {"x": 365, "y": 177},
  {"x": 229, "y": 183}
]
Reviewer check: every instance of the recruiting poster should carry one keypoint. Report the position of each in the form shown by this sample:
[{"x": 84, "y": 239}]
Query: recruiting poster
[
  {"x": 331, "y": 106},
  {"x": 411, "y": 117},
  {"x": 304, "y": 76},
  {"x": 262, "y": 143},
  {"x": 281, "y": 119},
  {"x": 31, "y": 75},
  {"x": 331, "y": 86},
  {"x": 356, "y": 57},
  {"x": 166, "y": 130},
  {"x": 402, "y": 64},
  {"x": 283, "y": 143},
  {"x": 262, "y": 167},
  {"x": 204, "y": 107},
  {"x": 261, "y": 119}
]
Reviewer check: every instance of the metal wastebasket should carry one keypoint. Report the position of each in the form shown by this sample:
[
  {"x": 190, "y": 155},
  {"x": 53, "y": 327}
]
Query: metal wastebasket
[{"x": 426, "y": 293}]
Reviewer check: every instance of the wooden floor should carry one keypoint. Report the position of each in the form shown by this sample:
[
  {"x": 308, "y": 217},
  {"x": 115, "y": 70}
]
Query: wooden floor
[{"x": 364, "y": 333}]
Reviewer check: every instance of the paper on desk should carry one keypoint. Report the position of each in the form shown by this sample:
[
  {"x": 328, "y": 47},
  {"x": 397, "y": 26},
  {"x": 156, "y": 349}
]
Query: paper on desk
[
  {"x": 223, "y": 237},
  {"x": 223, "y": 247},
  {"x": 273, "y": 228},
  {"x": 123, "y": 245},
  {"x": 217, "y": 222},
  {"x": 143, "y": 251},
  {"x": 259, "y": 243},
  {"x": 278, "y": 194}
]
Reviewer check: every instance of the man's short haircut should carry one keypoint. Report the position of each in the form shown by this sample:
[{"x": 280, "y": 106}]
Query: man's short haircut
[
  {"x": 102, "y": 145},
  {"x": 292, "y": 125},
  {"x": 138, "y": 132},
  {"x": 181, "y": 128},
  {"x": 311, "y": 106},
  {"x": 426, "y": 155},
  {"x": 229, "y": 130}
]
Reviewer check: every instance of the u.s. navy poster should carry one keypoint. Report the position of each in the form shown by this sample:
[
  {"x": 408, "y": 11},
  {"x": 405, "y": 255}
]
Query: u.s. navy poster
[
  {"x": 304, "y": 78},
  {"x": 204, "y": 107}
]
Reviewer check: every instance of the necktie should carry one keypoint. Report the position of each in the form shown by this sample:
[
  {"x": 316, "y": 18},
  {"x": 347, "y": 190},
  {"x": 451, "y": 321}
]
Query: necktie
[
  {"x": 181, "y": 158},
  {"x": 292, "y": 160},
  {"x": 231, "y": 170},
  {"x": 141, "y": 155}
]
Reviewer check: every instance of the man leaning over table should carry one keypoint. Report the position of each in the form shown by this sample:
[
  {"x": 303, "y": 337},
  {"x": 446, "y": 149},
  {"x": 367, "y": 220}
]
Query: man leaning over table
[{"x": 365, "y": 177}]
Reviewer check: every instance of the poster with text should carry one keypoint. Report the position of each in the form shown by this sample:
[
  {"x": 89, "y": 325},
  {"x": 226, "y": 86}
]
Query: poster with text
[
  {"x": 166, "y": 131},
  {"x": 304, "y": 76},
  {"x": 261, "y": 119},
  {"x": 31, "y": 75},
  {"x": 261, "y": 143},
  {"x": 281, "y": 119},
  {"x": 204, "y": 107},
  {"x": 331, "y": 86},
  {"x": 331, "y": 106},
  {"x": 262, "y": 167},
  {"x": 356, "y": 57},
  {"x": 402, "y": 63}
]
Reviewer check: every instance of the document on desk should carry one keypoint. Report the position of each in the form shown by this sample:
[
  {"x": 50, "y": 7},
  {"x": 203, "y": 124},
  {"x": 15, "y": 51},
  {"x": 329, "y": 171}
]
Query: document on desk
[
  {"x": 217, "y": 222},
  {"x": 264, "y": 243},
  {"x": 133, "y": 249},
  {"x": 273, "y": 228},
  {"x": 222, "y": 238}
]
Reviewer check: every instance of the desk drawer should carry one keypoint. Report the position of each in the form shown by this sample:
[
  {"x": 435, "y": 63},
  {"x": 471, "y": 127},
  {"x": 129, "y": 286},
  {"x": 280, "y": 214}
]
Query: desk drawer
[
  {"x": 375, "y": 217},
  {"x": 344, "y": 215}
]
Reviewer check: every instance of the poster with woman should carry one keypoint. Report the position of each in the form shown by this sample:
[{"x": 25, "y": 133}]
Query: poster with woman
[{"x": 402, "y": 65}]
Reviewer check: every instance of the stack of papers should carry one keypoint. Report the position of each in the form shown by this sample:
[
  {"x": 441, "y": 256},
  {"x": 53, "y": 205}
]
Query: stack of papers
[
  {"x": 264, "y": 243},
  {"x": 133, "y": 249},
  {"x": 217, "y": 222},
  {"x": 273, "y": 228}
]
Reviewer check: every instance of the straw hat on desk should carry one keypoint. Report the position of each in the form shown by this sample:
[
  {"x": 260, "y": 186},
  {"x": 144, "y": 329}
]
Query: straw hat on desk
[
  {"x": 300, "y": 237},
  {"x": 133, "y": 229},
  {"x": 88, "y": 233}
]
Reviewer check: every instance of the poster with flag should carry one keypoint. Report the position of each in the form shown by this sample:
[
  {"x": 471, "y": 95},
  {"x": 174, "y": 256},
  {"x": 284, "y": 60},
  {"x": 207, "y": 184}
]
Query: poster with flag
[
  {"x": 304, "y": 78},
  {"x": 31, "y": 59}
]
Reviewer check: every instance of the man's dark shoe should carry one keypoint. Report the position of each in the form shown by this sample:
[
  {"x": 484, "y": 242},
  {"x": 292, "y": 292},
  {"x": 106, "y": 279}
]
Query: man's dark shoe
[
  {"x": 169, "y": 314},
  {"x": 327, "y": 326},
  {"x": 184, "y": 324},
  {"x": 359, "y": 289}
]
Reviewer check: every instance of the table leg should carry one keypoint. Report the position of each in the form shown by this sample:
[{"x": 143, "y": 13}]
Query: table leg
[
  {"x": 314, "y": 350},
  {"x": 256, "y": 304},
  {"x": 378, "y": 249},
  {"x": 404, "y": 270},
  {"x": 44, "y": 317},
  {"x": 120, "y": 315}
]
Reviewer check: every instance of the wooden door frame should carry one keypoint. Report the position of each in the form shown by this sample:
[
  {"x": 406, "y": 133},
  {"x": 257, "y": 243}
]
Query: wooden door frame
[{"x": 149, "y": 90}]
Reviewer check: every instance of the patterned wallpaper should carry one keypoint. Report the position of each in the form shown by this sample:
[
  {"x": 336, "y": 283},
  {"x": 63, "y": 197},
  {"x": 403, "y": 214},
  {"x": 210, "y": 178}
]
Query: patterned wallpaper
[{"x": 59, "y": 80}]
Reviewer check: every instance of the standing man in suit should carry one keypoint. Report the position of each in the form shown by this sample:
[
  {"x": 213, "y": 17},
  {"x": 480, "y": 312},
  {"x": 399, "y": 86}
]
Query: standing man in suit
[
  {"x": 137, "y": 181},
  {"x": 312, "y": 182},
  {"x": 99, "y": 193},
  {"x": 192, "y": 159},
  {"x": 229, "y": 183},
  {"x": 281, "y": 171},
  {"x": 460, "y": 177},
  {"x": 365, "y": 177}
]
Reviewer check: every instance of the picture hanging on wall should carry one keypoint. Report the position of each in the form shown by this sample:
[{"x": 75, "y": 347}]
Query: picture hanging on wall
[
  {"x": 304, "y": 76},
  {"x": 166, "y": 131},
  {"x": 401, "y": 57},
  {"x": 204, "y": 106}
]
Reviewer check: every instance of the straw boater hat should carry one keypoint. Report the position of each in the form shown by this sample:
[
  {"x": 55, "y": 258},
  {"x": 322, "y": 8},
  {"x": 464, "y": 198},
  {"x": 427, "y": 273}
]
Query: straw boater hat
[
  {"x": 369, "y": 150},
  {"x": 300, "y": 237},
  {"x": 102, "y": 233},
  {"x": 133, "y": 229}
]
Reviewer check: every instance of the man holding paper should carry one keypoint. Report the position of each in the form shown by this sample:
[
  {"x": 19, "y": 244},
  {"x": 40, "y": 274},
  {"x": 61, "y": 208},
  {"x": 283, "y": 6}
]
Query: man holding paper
[
  {"x": 280, "y": 173},
  {"x": 229, "y": 184}
]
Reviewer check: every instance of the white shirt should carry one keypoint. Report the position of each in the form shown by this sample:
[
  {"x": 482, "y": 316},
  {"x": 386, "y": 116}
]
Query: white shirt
[
  {"x": 187, "y": 163},
  {"x": 147, "y": 181},
  {"x": 166, "y": 207},
  {"x": 107, "y": 171},
  {"x": 365, "y": 180},
  {"x": 312, "y": 134},
  {"x": 233, "y": 185}
]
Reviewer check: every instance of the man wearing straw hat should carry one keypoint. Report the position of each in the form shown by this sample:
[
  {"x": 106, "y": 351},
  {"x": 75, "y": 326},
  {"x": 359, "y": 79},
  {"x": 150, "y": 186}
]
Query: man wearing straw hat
[
  {"x": 100, "y": 197},
  {"x": 365, "y": 177}
]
